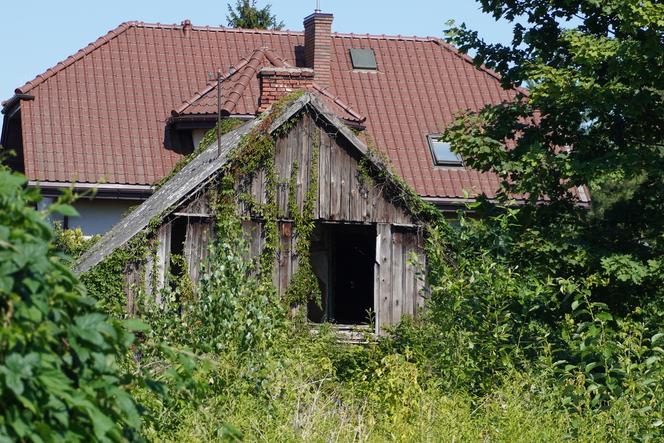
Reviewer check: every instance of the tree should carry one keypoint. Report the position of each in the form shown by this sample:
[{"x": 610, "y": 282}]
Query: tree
[
  {"x": 246, "y": 15},
  {"x": 593, "y": 116},
  {"x": 581, "y": 286}
]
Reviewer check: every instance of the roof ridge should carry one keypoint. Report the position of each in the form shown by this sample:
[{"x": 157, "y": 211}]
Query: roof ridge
[
  {"x": 343, "y": 105},
  {"x": 176, "y": 26},
  {"x": 213, "y": 84},
  {"x": 50, "y": 72}
]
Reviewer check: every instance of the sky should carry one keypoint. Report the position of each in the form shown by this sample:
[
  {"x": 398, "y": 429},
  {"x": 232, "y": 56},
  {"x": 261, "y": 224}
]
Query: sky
[{"x": 36, "y": 35}]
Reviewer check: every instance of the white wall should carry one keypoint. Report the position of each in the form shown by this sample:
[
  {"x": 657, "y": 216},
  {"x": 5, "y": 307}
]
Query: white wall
[
  {"x": 197, "y": 135},
  {"x": 95, "y": 216}
]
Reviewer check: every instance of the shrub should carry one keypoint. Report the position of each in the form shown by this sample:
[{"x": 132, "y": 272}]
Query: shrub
[{"x": 60, "y": 378}]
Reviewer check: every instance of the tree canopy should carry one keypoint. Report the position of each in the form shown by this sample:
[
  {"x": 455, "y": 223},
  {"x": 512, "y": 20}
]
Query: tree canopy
[
  {"x": 245, "y": 14},
  {"x": 592, "y": 120}
]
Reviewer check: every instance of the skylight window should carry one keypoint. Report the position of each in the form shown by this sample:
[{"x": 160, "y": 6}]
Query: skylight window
[
  {"x": 442, "y": 152},
  {"x": 363, "y": 59}
]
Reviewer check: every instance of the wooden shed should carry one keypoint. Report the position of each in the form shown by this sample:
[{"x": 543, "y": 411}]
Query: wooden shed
[{"x": 366, "y": 248}]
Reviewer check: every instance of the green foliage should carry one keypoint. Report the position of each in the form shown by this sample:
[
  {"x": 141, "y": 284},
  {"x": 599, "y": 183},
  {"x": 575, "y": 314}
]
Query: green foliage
[
  {"x": 72, "y": 242},
  {"x": 246, "y": 15},
  {"x": 584, "y": 286},
  {"x": 106, "y": 281},
  {"x": 60, "y": 378},
  {"x": 592, "y": 117},
  {"x": 304, "y": 283}
]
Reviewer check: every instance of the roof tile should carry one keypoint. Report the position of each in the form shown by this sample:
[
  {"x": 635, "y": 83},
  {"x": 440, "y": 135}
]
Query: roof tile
[{"x": 101, "y": 112}]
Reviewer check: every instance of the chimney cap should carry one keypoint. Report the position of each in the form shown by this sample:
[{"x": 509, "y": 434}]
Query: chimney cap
[{"x": 319, "y": 16}]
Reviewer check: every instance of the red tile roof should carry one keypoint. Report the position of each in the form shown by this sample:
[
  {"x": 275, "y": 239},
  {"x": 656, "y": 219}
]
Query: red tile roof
[
  {"x": 240, "y": 91},
  {"x": 100, "y": 114}
]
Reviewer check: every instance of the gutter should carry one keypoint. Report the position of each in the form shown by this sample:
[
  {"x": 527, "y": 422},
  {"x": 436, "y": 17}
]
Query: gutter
[
  {"x": 6, "y": 105},
  {"x": 102, "y": 190}
]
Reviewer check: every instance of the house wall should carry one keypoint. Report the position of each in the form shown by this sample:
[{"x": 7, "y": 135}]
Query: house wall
[
  {"x": 96, "y": 216},
  {"x": 197, "y": 135}
]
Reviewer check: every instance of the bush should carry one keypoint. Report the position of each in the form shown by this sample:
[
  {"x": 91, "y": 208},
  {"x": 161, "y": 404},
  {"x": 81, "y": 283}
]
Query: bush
[{"x": 60, "y": 378}]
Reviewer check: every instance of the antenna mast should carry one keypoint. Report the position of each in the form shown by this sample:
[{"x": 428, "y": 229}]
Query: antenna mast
[
  {"x": 218, "y": 113},
  {"x": 317, "y": 10}
]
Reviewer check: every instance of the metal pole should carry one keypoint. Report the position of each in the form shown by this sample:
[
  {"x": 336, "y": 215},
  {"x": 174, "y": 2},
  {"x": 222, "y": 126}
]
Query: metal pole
[{"x": 218, "y": 113}]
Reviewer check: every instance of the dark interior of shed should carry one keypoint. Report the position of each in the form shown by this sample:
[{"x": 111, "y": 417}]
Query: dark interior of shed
[{"x": 343, "y": 256}]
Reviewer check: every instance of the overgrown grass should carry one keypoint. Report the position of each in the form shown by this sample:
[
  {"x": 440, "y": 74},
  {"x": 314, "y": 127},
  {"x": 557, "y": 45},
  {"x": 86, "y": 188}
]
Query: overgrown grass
[{"x": 313, "y": 389}]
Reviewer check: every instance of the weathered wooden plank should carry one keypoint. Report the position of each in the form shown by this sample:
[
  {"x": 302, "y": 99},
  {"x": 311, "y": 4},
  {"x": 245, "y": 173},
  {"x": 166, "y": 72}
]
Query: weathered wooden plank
[
  {"x": 252, "y": 233},
  {"x": 163, "y": 258},
  {"x": 196, "y": 246},
  {"x": 132, "y": 283},
  {"x": 280, "y": 165},
  {"x": 345, "y": 182},
  {"x": 377, "y": 287},
  {"x": 295, "y": 264},
  {"x": 397, "y": 276},
  {"x": 336, "y": 161},
  {"x": 409, "y": 277},
  {"x": 355, "y": 210},
  {"x": 199, "y": 205},
  {"x": 289, "y": 158},
  {"x": 379, "y": 206},
  {"x": 284, "y": 257},
  {"x": 385, "y": 257},
  {"x": 315, "y": 141},
  {"x": 324, "y": 176},
  {"x": 304, "y": 162},
  {"x": 148, "y": 268},
  {"x": 420, "y": 282}
]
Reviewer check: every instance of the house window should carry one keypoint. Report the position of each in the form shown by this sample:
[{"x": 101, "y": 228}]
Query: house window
[
  {"x": 442, "y": 152},
  {"x": 363, "y": 59}
]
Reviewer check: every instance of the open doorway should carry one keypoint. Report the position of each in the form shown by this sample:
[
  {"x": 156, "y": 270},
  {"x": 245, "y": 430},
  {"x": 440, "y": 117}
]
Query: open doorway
[{"x": 342, "y": 256}]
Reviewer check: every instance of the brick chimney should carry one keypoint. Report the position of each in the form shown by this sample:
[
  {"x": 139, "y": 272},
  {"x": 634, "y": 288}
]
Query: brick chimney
[
  {"x": 318, "y": 46},
  {"x": 278, "y": 82}
]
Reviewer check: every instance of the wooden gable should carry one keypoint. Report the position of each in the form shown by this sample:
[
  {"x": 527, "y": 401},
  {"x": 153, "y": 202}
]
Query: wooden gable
[{"x": 346, "y": 195}]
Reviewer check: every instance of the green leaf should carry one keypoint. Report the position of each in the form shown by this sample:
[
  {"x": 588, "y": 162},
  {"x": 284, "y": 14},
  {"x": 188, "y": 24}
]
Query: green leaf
[
  {"x": 13, "y": 382},
  {"x": 63, "y": 209},
  {"x": 604, "y": 316}
]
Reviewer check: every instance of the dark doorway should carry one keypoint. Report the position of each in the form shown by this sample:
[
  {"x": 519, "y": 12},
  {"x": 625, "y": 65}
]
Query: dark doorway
[{"x": 343, "y": 258}]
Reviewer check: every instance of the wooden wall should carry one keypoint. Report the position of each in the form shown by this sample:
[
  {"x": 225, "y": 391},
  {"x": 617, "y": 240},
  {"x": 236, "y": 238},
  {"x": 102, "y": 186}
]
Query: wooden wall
[
  {"x": 398, "y": 274},
  {"x": 343, "y": 194},
  {"x": 343, "y": 197}
]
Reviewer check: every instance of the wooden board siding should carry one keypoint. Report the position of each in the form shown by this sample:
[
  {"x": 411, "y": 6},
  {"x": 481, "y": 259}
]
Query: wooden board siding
[
  {"x": 199, "y": 233},
  {"x": 343, "y": 194},
  {"x": 163, "y": 259},
  {"x": 383, "y": 287},
  {"x": 398, "y": 284}
]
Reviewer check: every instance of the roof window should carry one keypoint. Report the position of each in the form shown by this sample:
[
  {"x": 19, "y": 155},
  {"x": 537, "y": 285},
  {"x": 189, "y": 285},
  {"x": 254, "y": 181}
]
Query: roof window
[
  {"x": 363, "y": 59},
  {"x": 442, "y": 152}
]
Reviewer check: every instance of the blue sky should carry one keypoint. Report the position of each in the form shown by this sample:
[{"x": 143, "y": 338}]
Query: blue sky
[{"x": 35, "y": 35}]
